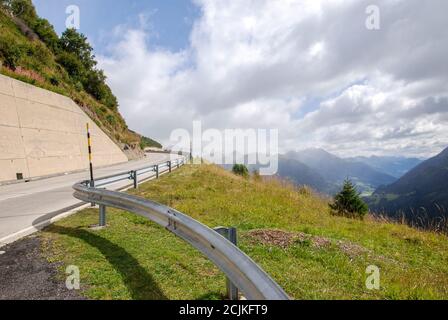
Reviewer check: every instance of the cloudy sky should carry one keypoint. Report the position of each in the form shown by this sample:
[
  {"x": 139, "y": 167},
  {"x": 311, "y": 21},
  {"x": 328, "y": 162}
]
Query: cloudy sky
[{"x": 309, "y": 68}]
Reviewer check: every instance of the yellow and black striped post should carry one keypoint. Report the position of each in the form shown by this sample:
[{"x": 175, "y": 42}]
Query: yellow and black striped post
[{"x": 89, "y": 142}]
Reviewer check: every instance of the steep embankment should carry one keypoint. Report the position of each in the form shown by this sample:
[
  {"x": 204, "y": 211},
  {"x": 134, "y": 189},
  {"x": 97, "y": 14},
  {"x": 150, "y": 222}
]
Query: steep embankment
[
  {"x": 288, "y": 231},
  {"x": 32, "y": 52}
]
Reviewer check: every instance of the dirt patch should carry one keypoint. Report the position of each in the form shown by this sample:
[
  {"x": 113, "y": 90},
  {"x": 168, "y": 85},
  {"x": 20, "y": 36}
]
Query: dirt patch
[
  {"x": 352, "y": 250},
  {"x": 283, "y": 239},
  {"x": 26, "y": 275}
]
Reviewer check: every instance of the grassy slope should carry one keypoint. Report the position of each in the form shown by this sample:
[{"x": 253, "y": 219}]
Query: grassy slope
[
  {"x": 38, "y": 66},
  {"x": 134, "y": 258}
]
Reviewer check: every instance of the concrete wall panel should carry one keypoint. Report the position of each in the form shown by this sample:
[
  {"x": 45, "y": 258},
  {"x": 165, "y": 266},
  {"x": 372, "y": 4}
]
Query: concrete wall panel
[
  {"x": 6, "y": 85},
  {"x": 10, "y": 168},
  {"x": 8, "y": 112},
  {"x": 43, "y": 133},
  {"x": 50, "y": 118},
  {"x": 11, "y": 145}
]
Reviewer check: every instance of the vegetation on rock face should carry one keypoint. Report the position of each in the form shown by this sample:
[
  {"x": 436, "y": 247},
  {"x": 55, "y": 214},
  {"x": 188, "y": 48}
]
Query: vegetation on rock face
[
  {"x": 149, "y": 143},
  {"x": 31, "y": 51},
  {"x": 289, "y": 232},
  {"x": 348, "y": 202}
]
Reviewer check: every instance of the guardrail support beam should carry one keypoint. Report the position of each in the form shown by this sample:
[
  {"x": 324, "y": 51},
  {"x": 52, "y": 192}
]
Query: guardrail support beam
[
  {"x": 102, "y": 216},
  {"x": 92, "y": 185},
  {"x": 231, "y": 235},
  {"x": 134, "y": 176}
]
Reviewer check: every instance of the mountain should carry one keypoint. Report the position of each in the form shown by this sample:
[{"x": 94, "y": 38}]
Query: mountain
[
  {"x": 393, "y": 166},
  {"x": 423, "y": 190},
  {"x": 301, "y": 174},
  {"x": 335, "y": 170},
  {"x": 31, "y": 51}
]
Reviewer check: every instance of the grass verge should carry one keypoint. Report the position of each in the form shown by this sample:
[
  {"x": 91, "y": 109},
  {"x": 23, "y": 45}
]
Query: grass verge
[{"x": 288, "y": 231}]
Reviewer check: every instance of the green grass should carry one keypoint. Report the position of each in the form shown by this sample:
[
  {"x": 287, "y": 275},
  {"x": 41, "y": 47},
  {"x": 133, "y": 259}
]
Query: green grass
[{"x": 135, "y": 259}]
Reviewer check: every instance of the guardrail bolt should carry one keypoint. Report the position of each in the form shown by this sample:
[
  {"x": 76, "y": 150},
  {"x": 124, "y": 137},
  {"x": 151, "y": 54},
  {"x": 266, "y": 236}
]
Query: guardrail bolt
[{"x": 231, "y": 235}]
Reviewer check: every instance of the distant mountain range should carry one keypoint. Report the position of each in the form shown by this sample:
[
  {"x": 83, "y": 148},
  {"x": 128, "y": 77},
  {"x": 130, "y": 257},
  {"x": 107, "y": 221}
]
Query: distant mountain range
[
  {"x": 393, "y": 166},
  {"x": 326, "y": 172},
  {"x": 334, "y": 170},
  {"x": 421, "y": 191},
  {"x": 390, "y": 185}
]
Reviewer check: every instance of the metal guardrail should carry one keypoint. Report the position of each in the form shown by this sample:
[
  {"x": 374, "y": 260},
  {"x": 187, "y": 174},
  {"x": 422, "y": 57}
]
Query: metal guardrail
[
  {"x": 241, "y": 270},
  {"x": 135, "y": 174}
]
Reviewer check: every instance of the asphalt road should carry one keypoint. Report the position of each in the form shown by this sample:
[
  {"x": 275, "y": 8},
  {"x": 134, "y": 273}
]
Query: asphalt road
[{"x": 24, "y": 205}]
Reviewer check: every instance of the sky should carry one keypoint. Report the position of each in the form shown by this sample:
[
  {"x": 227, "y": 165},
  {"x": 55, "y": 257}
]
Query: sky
[{"x": 309, "y": 68}]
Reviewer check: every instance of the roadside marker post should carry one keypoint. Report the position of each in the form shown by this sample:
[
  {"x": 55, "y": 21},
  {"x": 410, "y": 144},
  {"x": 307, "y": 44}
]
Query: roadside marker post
[{"x": 89, "y": 144}]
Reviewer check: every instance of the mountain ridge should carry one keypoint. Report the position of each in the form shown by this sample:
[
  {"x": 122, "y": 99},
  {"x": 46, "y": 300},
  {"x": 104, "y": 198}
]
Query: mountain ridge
[
  {"x": 335, "y": 169},
  {"x": 422, "y": 191}
]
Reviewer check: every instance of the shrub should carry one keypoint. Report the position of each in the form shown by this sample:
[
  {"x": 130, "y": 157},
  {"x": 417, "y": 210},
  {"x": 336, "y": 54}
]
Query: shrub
[
  {"x": 10, "y": 52},
  {"x": 72, "y": 65},
  {"x": 46, "y": 33},
  {"x": 241, "y": 170},
  {"x": 111, "y": 119},
  {"x": 348, "y": 203}
]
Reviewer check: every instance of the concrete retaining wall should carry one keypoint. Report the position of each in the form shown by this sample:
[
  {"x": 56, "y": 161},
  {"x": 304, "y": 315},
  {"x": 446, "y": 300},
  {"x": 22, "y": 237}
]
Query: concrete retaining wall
[{"x": 43, "y": 133}]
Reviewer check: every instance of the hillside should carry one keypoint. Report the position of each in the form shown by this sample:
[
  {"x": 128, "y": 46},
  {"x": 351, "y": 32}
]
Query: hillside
[
  {"x": 288, "y": 231},
  {"x": 421, "y": 192},
  {"x": 32, "y": 52},
  {"x": 335, "y": 170}
]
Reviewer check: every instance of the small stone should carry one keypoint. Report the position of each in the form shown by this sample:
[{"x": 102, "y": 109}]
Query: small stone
[
  {"x": 96, "y": 228},
  {"x": 2, "y": 252}
]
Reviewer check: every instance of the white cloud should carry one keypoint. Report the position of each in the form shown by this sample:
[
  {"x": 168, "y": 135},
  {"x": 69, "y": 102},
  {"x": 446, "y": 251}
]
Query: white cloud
[{"x": 255, "y": 63}]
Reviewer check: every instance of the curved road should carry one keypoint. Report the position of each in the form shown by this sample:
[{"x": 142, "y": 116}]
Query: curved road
[{"x": 22, "y": 204}]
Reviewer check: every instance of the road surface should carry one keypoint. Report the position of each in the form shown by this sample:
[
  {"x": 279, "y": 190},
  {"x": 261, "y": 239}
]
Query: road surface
[{"x": 24, "y": 206}]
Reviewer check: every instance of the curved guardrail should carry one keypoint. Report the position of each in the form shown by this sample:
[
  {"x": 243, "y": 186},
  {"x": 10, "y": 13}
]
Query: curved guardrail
[{"x": 241, "y": 270}]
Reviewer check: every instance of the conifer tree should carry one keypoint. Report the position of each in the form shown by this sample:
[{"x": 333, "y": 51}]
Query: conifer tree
[{"x": 348, "y": 202}]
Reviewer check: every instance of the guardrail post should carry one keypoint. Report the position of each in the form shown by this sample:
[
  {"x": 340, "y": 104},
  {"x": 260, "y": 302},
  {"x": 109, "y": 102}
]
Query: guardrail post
[
  {"x": 157, "y": 171},
  {"x": 134, "y": 176},
  {"x": 92, "y": 185},
  {"x": 169, "y": 166},
  {"x": 231, "y": 235},
  {"x": 102, "y": 216}
]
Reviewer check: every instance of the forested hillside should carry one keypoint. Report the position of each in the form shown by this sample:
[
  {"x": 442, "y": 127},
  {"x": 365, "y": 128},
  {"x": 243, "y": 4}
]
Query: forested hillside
[{"x": 31, "y": 51}]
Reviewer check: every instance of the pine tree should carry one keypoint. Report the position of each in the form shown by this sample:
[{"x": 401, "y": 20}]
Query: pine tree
[{"x": 348, "y": 203}]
